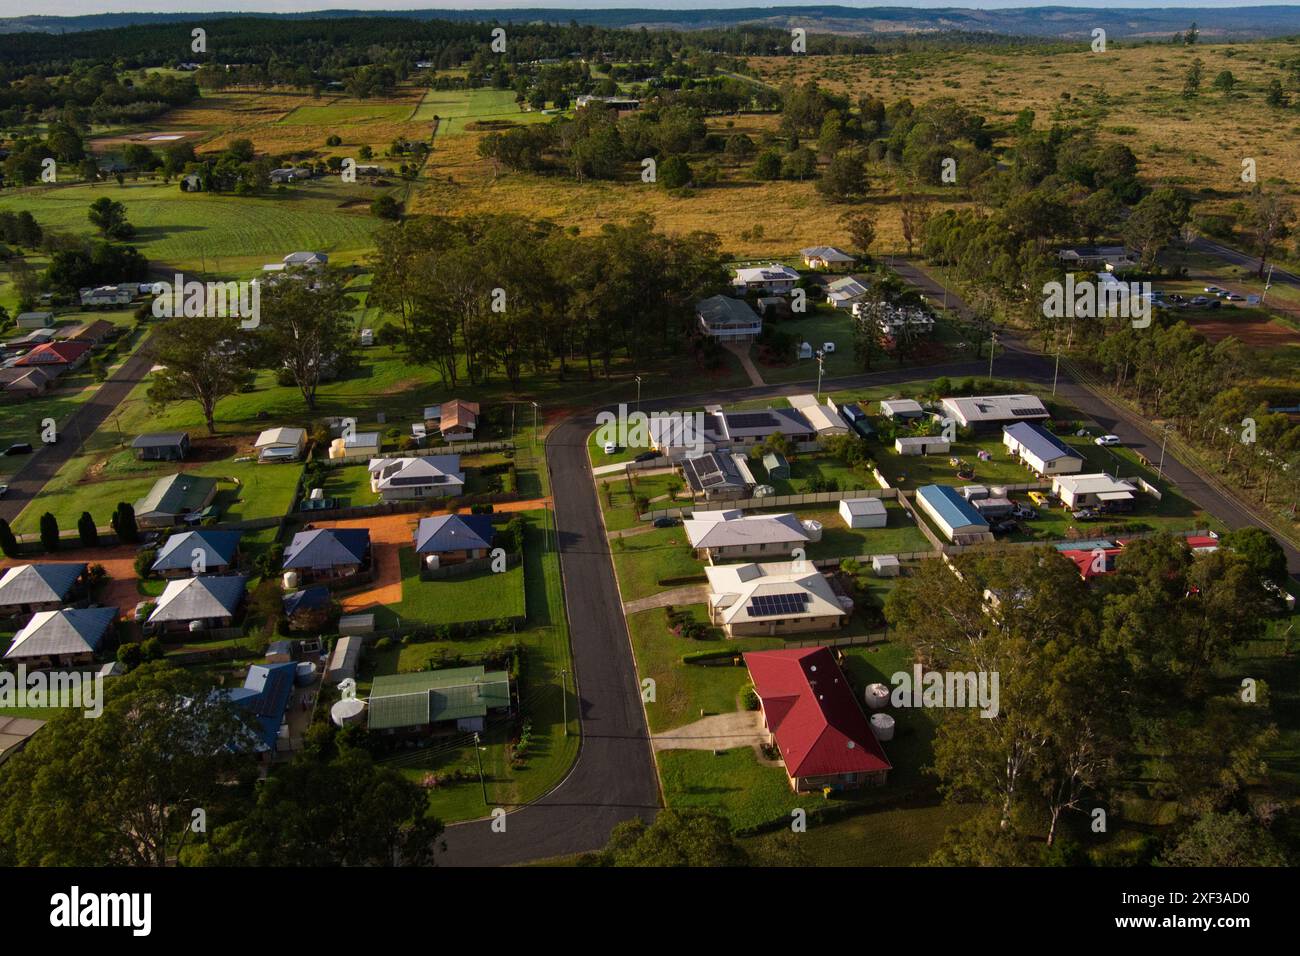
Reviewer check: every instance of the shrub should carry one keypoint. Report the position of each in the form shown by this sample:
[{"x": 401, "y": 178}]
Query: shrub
[
  {"x": 49, "y": 532},
  {"x": 87, "y": 531}
]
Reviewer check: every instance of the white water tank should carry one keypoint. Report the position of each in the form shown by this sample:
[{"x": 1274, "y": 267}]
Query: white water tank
[
  {"x": 813, "y": 529},
  {"x": 431, "y": 562},
  {"x": 290, "y": 580},
  {"x": 317, "y": 494},
  {"x": 877, "y": 696},
  {"x": 883, "y": 727},
  {"x": 304, "y": 673},
  {"x": 348, "y": 711}
]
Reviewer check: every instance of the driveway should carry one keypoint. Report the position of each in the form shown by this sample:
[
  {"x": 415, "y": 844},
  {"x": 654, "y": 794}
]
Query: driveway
[
  {"x": 686, "y": 594},
  {"x": 744, "y": 728}
]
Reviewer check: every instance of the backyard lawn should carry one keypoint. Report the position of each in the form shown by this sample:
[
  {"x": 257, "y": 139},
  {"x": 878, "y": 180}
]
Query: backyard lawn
[
  {"x": 642, "y": 560},
  {"x": 478, "y": 596}
]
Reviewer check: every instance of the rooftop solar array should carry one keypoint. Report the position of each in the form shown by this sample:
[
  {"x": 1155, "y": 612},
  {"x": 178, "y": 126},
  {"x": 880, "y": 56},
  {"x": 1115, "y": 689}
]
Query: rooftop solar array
[
  {"x": 773, "y": 605},
  {"x": 751, "y": 420}
]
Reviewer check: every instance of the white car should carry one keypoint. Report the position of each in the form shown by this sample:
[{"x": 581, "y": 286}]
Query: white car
[
  {"x": 610, "y": 448},
  {"x": 828, "y": 347},
  {"x": 1215, "y": 290},
  {"x": 1107, "y": 440},
  {"x": 3, "y": 490}
]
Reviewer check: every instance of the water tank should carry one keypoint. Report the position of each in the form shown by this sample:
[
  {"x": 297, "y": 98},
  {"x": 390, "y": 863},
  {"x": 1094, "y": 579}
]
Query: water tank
[
  {"x": 764, "y": 491},
  {"x": 813, "y": 529},
  {"x": 196, "y": 626},
  {"x": 877, "y": 696},
  {"x": 290, "y": 580},
  {"x": 431, "y": 562},
  {"x": 348, "y": 711},
  {"x": 317, "y": 494},
  {"x": 883, "y": 726},
  {"x": 304, "y": 673}
]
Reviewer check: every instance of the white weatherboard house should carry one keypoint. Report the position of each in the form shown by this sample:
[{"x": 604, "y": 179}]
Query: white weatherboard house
[
  {"x": 826, "y": 257},
  {"x": 720, "y": 535},
  {"x": 1098, "y": 488},
  {"x": 770, "y": 279},
  {"x": 431, "y": 476},
  {"x": 781, "y": 597},
  {"x": 1040, "y": 449},
  {"x": 864, "y": 512},
  {"x": 847, "y": 292},
  {"x": 991, "y": 411}
]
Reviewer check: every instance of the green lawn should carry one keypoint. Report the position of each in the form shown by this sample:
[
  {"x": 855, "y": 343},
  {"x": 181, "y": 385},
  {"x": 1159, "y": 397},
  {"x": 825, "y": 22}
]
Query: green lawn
[
  {"x": 904, "y": 836},
  {"x": 619, "y": 502},
  {"x": 216, "y": 234},
  {"x": 480, "y": 596},
  {"x": 545, "y": 640},
  {"x": 456, "y": 108},
  {"x": 643, "y": 559},
  {"x": 899, "y": 536},
  {"x": 345, "y": 113}
]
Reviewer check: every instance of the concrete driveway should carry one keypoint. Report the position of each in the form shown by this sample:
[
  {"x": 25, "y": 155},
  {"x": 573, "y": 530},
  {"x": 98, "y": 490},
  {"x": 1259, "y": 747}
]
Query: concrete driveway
[
  {"x": 686, "y": 594},
  {"x": 744, "y": 728}
]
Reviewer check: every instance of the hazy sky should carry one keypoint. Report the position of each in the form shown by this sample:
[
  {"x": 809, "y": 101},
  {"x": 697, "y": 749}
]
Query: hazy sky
[{"x": 74, "y": 7}]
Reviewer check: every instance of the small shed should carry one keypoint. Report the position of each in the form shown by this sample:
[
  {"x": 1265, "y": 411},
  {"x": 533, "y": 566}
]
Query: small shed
[
  {"x": 994, "y": 507},
  {"x": 922, "y": 445},
  {"x": 864, "y": 512},
  {"x": 354, "y": 624},
  {"x": 34, "y": 320},
  {"x": 344, "y": 659},
  {"x": 161, "y": 446},
  {"x": 885, "y": 566},
  {"x": 776, "y": 465}
]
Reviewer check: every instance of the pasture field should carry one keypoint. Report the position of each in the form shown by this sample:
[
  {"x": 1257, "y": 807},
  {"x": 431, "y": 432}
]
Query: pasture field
[
  {"x": 217, "y": 234},
  {"x": 456, "y": 108}
]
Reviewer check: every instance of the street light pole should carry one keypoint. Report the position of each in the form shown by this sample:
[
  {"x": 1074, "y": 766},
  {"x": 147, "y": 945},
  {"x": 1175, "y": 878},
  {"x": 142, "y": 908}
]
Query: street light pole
[
  {"x": 478, "y": 752},
  {"x": 993, "y": 347},
  {"x": 534, "y": 426},
  {"x": 638, "y": 393},
  {"x": 821, "y": 358},
  {"x": 564, "y": 699},
  {"x": 1056, "y": 371},
  {"x": 1160, "y": 469}
]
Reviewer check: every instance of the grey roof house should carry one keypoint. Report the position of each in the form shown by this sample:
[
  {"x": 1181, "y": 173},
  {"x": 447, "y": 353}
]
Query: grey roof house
[
  {"x": 180, "y": 552},
  {"x": 324, "y": 553},
  {"x": 64, "y": 637},
  {"x": 173, "y": 498},
  {"x": 454, "y": 537},
  {"x": 208, "y": 601},
  {"x": 718, "y": 475},
  {"x": 727, "y": 319},
  {"x": 161, "y": 446},
  {"x": 28, "y": 588}
]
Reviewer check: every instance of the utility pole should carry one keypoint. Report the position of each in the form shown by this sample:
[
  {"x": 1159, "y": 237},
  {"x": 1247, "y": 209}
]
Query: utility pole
[
  {"x": 993, "y": 347},
  {"x": 478, "y": 752},
  {"x": 513, "y": 406},
  {"x": 1160, "y": 470},
  {"x": 821, "y": 358},
  {"x": 1057, "y": 370},
  {"x": 534, "y": 426},
  {"x": 638, "y": 393}
]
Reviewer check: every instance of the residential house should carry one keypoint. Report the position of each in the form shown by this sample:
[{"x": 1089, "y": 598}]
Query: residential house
[
  {"x": 992, "y": 412},
  {"x": 70, "y": 637},
  {"x": 781, "y": 597},
  {"x": 728, "y": 320},
  {"x": 813, "y": 717},
  {"x": 431, "y": 700},
  {"x": 92, "y": 333},
  {"x": 34, "y": 320},
  {"x": 328, "y": 554},
  {"x": 746, "y": 429},
  {"x": 724, "y": 535},
  {"x": 1040, "y": 449},
  {"x": 107, "y": 295},
  {"x": 956, "y": 518},
  {"x": 308, "y": 260},
  {"x": 718, "y": 475},
  {"x": 174, "y": 498},
  {"x": 864, "y": 512},
  {"x": 17, "y": 384},
  {"x": 824, "y": 419},
  {"x": 28, "y": 588},
  {"x": 453, "y": 539},
  {"x": 161, "y": 446},
  {"x": 1092, "y": 563},
  {"x": 828, "y": 258},
  {"x": 203, "y": 551},
  {"x": 902, "y": 409},
  {"x": 308, "y": 608},
  {"x": 1096, "y": 489},
  {"x": 265, "y": 696},
  {"x": 356, "y": 445},
  {"x": 893, "y": 320},
  {"x": 771, "y": 279},
  {"x": 1115, "y": 259},
  {"x": 458, "y": 420},
  {"x": 199, "y": 603},
  {"x": 58, "y": 357},
  {"x": 290, "y": 174},
  {"x": 847, "y": 292},
  {"x": 281, "y": 444},
  {"x": 14, "y": 734},
  {"x": 618, "y": 103},
  {"x": 429, "y": 476},
  {"x": 774, "y": 307},
  {"x": 922, "y": 445}
]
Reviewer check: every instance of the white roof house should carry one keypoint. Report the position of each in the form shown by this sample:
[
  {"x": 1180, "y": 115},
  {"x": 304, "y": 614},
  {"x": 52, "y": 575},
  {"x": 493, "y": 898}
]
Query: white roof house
[
  {"x": 773, "y": 277},
  {"x": 740, "y": 535},
  {"x": 312, "y": 260},
  {"x": 845, "y": 293},
  {"x": 1077, "y": 491},
  {"x": 901, "y": 408},
  {"x": 826, "y": 257},
  {"x": 987, "y": 410},
  {"x": 864, "y": 512},
  {"x": 823, "y": 418},
  {"x": 772, "y": 597},
  {"x": 207, "y": 598},
  {"x": 922, "y": 445},
  {"x": 1040, "y": 449}
]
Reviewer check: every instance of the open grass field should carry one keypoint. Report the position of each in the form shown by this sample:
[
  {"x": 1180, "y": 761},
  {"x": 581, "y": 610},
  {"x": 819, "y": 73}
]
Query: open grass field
[
  {"x": 455, "y": 109},
  {"x": 642, "y": 560},
  {"x": 474, "y": 597},
  {"x": 1131, "y": 93},
  {"x": 216, "y": 234}
]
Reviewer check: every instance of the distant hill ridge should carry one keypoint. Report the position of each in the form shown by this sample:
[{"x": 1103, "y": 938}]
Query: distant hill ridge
[{"x": 1049, "y": 21}]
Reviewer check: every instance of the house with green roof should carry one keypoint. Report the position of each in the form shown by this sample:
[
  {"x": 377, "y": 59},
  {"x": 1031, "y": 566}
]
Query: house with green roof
[
  {"x": 423, "y": 701},
  {"x": 173, "y": 498}
]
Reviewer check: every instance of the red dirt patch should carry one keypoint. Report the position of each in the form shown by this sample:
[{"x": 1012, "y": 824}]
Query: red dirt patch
[{"x": 1261, "y": 333}]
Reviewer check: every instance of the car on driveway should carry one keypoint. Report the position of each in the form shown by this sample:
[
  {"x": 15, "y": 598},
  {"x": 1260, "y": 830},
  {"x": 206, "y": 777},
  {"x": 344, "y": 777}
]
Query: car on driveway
[
  {"x": 1215, "y": 290},
  {"x": 1085, "y": 514},
  {"x": 1104, "y": 440},
  {"x": 1021, "y": 513},
  {"x": 1005, "y": 526},
  {"x": 19, "y": 448},
  {"x": 828, "y": 347},
  {"x": 647, "y": 456},
  {"x": 1234, "y": 297},
  {"x": 666, "y": 522},
  {"x": 610, "y": 448}
]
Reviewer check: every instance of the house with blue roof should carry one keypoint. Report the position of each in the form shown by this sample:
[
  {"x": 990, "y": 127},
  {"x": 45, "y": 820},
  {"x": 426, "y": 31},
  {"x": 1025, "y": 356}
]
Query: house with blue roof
[
  {"x": 28, "y": 588},
  {"x": 454, "y": 538},
  {"x": 1041, "y": 450},
  {"x": 954, "y": 516},
  {"x": 306, "y": 605},
  {"x": 325, "y": 554},
  {"x": 203, "y": 551},
  {"x": 266, "y": 693},
  {"x": 199, "y": 603}
]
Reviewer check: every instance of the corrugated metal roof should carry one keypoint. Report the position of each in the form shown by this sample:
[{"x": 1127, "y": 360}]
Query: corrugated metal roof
[
  {"x": 38, "y": 583},
  {"x": 72, "y": 631},
  {"x": 414, "y": 700}
]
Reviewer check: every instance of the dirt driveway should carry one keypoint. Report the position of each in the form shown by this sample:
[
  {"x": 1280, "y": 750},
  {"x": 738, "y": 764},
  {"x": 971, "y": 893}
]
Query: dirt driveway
[{"x": 743, "y": 728}]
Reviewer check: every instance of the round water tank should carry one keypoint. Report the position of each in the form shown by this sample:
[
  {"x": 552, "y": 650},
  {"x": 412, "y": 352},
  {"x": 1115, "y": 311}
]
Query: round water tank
[
  {"x": 813, "y": 529},
  {"x": 304, "y": 673},
  {"x": 877, "y": 696},
  {"x": 290, "y": 580},
  {"x": 196, "y": 625},
  {"x": 348, "y": 711},
  {"x": 431, "y": 562},
  {"x": 883, "y": 726},
  {"x": 317, "y": 494}
]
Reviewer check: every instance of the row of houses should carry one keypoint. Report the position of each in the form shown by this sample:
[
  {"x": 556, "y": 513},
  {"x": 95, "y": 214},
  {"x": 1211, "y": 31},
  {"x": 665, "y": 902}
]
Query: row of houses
[{"x": 31, "y": 364}]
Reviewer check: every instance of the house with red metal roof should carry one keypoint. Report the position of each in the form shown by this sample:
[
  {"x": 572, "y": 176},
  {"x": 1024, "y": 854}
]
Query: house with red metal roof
[
  {"x": 814, "y": 720},
  {"x": 1093, "y": 563},
  {"x": 60, "y": 355}
]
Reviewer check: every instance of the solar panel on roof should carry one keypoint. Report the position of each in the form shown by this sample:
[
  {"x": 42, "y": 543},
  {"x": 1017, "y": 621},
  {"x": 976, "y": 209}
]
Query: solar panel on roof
[
  {"x": 1025, "y": 411},
  {"x": 751, "y": 420},
  {"x": 771, "y": 605}
]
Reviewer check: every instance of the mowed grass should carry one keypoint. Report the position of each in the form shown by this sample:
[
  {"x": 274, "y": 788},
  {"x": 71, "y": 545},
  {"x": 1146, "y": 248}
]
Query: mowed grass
[
  {"x": 345, "y": 112},
  {"x": 480, "y": 596},
  {"x": 214, "y": 234},
  {"x": 456, "y": 108}
]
